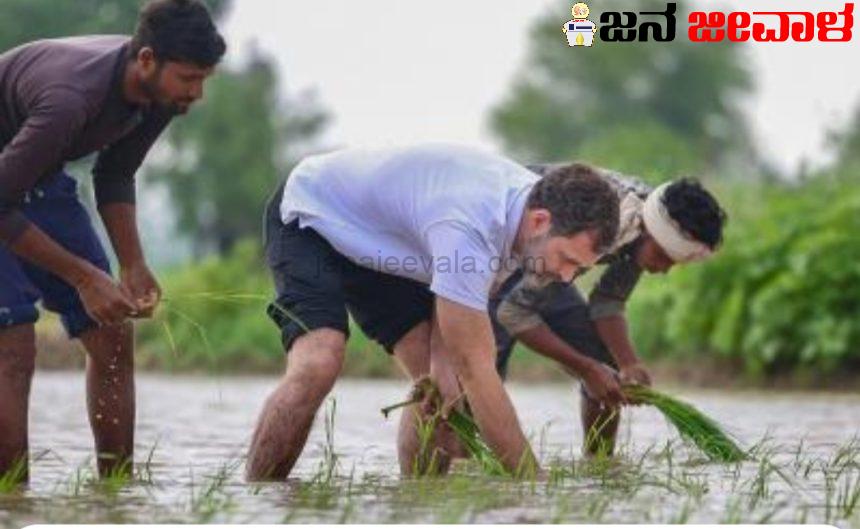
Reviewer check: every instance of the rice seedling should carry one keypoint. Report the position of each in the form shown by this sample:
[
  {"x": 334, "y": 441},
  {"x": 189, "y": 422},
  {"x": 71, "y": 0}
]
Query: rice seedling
[
  {"x": 115, "y": 480},
  {"x": 328, "y": 467},
  {"x": 12, "y": 480},
  {"x": 462, "y": 424},
  {"x": 733, "y": 511},
  {"x": 143, "y": 471},
  {"x": 691, "y": 424},
  {"x": 848, "y": 497},
  {"x": 211, "y": 499},
  {"x": 428, "y": 459},
  {"x": 684, "y": 514}
]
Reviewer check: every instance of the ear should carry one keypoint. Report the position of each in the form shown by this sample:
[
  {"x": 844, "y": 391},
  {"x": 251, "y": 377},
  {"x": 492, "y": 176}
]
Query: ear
[
  {"x": 146, "y": 59},
  {"x": 540, "y": 221}
]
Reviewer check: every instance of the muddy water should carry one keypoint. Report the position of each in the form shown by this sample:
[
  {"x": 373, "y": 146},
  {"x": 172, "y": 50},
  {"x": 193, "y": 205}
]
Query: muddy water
[{"x": 197, "y": 430}]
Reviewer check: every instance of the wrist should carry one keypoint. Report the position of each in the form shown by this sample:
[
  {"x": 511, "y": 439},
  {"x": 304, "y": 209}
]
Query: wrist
[
  {"x": 136, "y": 263},
  {"x": 589, "y": 368},
  {"x": 80, "y": 274}
]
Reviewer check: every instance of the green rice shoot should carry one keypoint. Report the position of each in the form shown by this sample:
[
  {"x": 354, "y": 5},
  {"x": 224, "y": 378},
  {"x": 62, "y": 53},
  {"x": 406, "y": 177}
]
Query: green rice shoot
[
  {"x": 692, "y": 424},
  {"x": 462, "y": 424}
]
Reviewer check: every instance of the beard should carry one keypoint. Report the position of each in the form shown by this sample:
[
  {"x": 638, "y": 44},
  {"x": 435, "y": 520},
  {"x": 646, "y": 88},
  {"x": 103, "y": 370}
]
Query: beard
[
  {"x": 532, "y": 257},
  {"x": 152, "y": 88}
]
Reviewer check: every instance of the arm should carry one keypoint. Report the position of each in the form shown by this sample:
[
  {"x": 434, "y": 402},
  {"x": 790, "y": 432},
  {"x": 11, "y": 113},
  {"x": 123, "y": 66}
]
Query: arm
[
  {"x": 39, "y": 147},
  {"x": 468, "y": 340},
  {"x": 113, "y": 178},
  {"x": 613, "y": 331},
  {"x": 120, "y": 220},
  {"x": 103, "y": 300},
  {"x": 519, "y": 312},
  {"x": 600, "y": 382},
  {"x": 607, "y": 301}
]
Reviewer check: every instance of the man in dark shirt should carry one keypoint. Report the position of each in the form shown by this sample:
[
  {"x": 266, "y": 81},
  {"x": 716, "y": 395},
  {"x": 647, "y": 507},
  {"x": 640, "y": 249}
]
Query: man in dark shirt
[
  {"x": 61, "y": 100},
  {"x": 678, "y": 222}
]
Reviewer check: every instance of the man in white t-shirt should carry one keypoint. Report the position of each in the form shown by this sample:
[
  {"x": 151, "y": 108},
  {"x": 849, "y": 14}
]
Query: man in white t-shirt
[{"x": 409, "y": 242}]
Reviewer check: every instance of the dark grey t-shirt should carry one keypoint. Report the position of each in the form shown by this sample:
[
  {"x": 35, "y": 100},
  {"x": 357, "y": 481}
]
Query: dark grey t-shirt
[
  {"x": 520, "y": 309},
  {"x": 61, "y": 100}
]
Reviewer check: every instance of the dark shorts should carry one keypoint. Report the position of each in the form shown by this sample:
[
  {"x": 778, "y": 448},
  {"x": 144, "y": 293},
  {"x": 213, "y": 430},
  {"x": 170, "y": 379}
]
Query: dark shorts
[
  {"x": 317, "y": 287},
  {"x": 54, "y": 207},
  {"x": 565, "y": 312}
]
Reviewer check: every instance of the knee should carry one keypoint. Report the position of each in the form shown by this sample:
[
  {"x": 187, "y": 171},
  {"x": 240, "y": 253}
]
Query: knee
[
  {"x": 316, "y": 361},
  {"x": 111, "y": 347}
]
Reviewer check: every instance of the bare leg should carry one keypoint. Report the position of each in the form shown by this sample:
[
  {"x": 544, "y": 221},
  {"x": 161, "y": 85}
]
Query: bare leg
[
  {"x": 599, "y": 427},
  {"x": 313, "y": 364},
  {"x": 111, "y": 396},
  {"x": 17, "y": 363}
]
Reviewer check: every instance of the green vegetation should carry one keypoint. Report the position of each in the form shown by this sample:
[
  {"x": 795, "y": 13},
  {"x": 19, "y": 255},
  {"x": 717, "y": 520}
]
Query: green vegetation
[
  {"x": 787, "y": 483},
  {"x": 782, "y": 295},
  {"x": 691, "y": 423},
  {"x": 213, "y": 319}
]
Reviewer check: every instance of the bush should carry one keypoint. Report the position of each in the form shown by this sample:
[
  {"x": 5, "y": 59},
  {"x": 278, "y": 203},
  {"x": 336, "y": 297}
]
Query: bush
[
  {"x": 213, "y": 319},
  {"x": 783, "y": 293}
]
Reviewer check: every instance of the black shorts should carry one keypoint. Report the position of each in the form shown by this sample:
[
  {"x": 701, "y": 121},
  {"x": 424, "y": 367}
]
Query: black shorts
[
  {"x": 317, "y": 287},
  {"x": 566, "y": 313}
]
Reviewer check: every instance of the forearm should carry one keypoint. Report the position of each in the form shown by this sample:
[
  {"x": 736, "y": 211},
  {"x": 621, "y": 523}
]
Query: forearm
[
  {"x": 494, "y": 412},
  {"x": 613, "y": 331},
  {"x": 36, "y": 247},
  {"x": 468, "y": 340},
  {"x": 543, "y": 341},
  {"x": 120, "y": 220}
]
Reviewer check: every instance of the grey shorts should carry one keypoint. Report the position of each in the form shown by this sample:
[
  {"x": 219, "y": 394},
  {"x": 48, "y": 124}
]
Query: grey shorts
[{"x": 565, "y": 312}]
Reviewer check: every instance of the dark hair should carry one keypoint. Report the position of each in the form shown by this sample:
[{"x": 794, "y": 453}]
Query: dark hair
[
  {"x": 696, "y": 211},
  {"x": 179, "y": 31},
  {"x": 578, "y": 200}
]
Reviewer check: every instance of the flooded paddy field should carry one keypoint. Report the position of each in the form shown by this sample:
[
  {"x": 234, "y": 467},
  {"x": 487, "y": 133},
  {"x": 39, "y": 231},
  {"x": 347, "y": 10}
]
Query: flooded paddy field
[{"x": 192, "y": 434}]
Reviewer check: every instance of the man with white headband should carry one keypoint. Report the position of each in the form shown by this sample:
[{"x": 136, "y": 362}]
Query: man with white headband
[{"x": 678, "y": 222}]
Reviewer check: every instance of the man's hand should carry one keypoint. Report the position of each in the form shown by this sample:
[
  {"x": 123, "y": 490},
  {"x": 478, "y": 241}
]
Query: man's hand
[
  {"x": 603, "y": 385},
  {"x": 141, "y": 285},
  {"x": 105, "y": 301},
  {"x": 635, "y": 373}
]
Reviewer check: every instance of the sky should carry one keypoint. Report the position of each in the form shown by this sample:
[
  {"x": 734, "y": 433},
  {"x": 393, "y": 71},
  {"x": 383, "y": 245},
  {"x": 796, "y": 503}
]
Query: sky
[{"x": 403, "y": 71}]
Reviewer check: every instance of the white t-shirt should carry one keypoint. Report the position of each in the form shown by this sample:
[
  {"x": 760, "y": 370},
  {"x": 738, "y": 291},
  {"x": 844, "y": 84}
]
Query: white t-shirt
[{"x": 440, "y": 214}]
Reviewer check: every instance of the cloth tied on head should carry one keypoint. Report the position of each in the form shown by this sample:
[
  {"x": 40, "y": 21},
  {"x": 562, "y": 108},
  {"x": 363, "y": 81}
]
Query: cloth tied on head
[{"x": 677, "y": 244}]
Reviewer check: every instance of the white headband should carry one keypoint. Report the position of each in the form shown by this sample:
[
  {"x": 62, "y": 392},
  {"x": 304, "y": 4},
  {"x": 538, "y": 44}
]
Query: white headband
[{"x": 679, "y": 246}]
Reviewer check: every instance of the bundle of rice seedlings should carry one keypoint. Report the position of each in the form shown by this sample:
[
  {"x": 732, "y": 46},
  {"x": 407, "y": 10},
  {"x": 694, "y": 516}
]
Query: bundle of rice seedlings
[
  {"x": 466, "y": 430},
  {"x": 461, "y": 423},
  {"x": 691, "y": 424}
]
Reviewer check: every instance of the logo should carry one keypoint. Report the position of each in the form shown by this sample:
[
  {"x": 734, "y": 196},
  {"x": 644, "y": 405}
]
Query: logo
[
  {"x": 580, "y": 31},
  {"x": 714, "y": 26}
]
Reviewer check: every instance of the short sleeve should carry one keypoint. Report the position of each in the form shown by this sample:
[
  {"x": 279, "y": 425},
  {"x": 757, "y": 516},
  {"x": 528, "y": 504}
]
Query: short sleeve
[
  {"x": 519, "y": 309},
  {"x": 615, "y": 286},
  {"x": 464, "y": 264}
]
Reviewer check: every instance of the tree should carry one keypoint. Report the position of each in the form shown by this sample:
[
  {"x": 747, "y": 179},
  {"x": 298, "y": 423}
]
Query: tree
[
  {"x": 846, "y": 145},
  {"x": 26, "y": 20},
  {"x": 567, "y": 99},
  {"x": 226, "y": 157}
]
